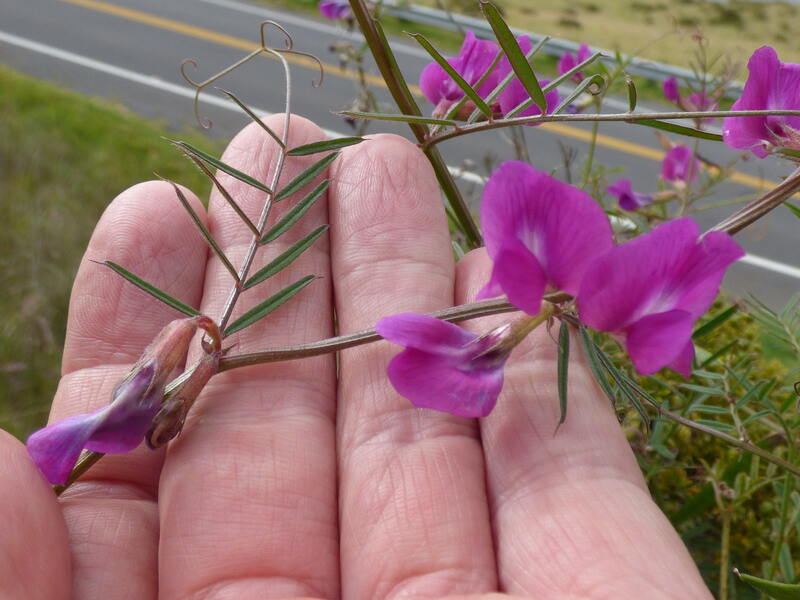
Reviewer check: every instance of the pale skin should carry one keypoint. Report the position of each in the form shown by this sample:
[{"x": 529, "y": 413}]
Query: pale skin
[{"x": 289, "y": 483}]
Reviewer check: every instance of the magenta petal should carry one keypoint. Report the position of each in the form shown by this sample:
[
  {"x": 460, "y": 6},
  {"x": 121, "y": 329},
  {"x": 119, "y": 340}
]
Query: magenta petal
[
  {"x": 750, "y": 133},
  {"x": 432, "y": 381},
  {"x": 514, "y": 94},
  {"x": 566, "y": 62},
  {"x": 423, "y": 332},
  {"x": 670, "y": 88},
  {"x": 55, "y": 449},
  {"x": 683, "y": 363},
  {"x": 628, "y": 280},
  {"x": 657, "y": 340},
  {"x": 680, "y": 164},
  {"x": 431, "y": 81},
  {"x": 628, "y": 199},
  {"x": 562, "y": 226},
  {"x": 521, "y": 277},
  {"x": 584, "y": 52},
  {"x": 698, "y": 279}
]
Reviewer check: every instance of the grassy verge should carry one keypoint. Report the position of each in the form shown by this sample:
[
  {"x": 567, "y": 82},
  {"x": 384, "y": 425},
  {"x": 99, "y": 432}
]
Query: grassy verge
[
  {"x": 733, "y": 29},
  {"x": 63, "y": 157}
]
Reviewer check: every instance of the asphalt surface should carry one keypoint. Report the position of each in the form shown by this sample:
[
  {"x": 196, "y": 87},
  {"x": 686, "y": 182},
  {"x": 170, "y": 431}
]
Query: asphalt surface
[{"x": 129, "y": 51}]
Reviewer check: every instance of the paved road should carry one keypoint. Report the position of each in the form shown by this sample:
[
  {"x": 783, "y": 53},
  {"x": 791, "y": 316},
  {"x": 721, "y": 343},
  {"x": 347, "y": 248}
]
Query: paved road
[{"x": 129, "y": 50}]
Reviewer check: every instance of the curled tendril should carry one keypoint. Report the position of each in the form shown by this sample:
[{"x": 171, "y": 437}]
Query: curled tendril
[
  {"x": 318, "y": 82},
  {"x": 204, "y": 122},
  {"x": 289, "y": 41},
  {"x": 262, "y": 49}
]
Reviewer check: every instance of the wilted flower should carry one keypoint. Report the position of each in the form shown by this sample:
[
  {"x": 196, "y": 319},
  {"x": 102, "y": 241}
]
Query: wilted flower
[
  {"x": 569, "y": 61},
  {"x": 628, "y": 199},
  {"x": 679, "y": 165},
  {"x": 649, "y": 292},
  {"x": 120, "y": 426},
  {"x": 445, "y": 367},
  {"x": 335, "y": 9},
  {"x": 771, "y": 85},
  {"x": 472, "y": 61},
  {"x": 540, "y": 233},
  {"x": 168, "y": 421}
]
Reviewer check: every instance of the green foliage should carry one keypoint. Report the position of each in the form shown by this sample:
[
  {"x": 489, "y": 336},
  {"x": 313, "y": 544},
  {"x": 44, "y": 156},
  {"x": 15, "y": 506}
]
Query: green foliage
[
  {"x": 739, "y": 390},
  {"x": 63, "y": 158}
]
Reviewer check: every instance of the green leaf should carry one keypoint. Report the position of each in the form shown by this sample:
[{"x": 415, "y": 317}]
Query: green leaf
[
  {"x": 454, "y": 75},
  {"x": 794, "y": 209},
  {"x": 286, "y": 258},
  {"x": 626, "y": 386},
  {"x": 579, "y": 89},
  {"x": 297, "y": 211},
  {"x": 563, "y": 370},
  {"x": 151, "y": 289},
  {"x": 204, "y": 230},
  {"x": 519, "y": 63},
  {"x": 215, "y": 162},
  {"x": 305, "y": 177},
  {"x": 254, "y": 117},
  {"x": 773, "y": 589},
  {"x": 701, "y": 389},
  {"x": 325, "y": 146},
  {"x": 357, "y": 114},
  {"x": 679, "y": 129},
  {"x": 718, "y": 425},
  {"x": 270, "y": 304},
  {"x": 594, "y": 363},
  {"x": 714, "y": 322},
  {"x": 632, "y": 95}
]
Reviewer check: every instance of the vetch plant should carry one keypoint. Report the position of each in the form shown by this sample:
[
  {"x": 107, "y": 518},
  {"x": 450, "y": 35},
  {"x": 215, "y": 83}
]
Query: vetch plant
[{"x": 642, "y": 280}]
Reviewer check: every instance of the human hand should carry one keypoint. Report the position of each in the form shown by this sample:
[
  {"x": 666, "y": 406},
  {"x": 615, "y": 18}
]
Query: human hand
[{"x": 287, "y": 482}]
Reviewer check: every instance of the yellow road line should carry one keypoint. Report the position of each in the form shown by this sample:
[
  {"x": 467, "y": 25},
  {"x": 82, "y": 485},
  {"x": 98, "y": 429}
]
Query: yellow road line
[{"x": 222, "y": 39}]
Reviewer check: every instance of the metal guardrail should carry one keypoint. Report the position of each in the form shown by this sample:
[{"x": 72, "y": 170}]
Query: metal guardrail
[{"x": 652, "y": 70}]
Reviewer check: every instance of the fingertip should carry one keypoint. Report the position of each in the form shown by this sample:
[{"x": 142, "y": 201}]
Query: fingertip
[
  {"x": 34, "y": 545},
  {"x": 472, "y": 273},
  {"x": 146, "y": 230}
]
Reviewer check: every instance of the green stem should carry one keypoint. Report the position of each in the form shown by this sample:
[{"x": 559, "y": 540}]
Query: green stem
[
  {"x": 788, "y": 488},
  {"x": 387, "y": 65},
  {"x": 587, "y": 170},
  {"x": 611, "y": 117},
  {"x": 724, "y": 558}
]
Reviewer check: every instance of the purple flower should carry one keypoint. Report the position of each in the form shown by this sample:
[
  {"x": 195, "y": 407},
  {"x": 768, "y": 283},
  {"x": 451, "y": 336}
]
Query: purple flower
[
  {"x": 670, "y": 88},
  {"x": 649, "y": 292},
  {"x": 771, "y": 85},
  {"x": 679, "y": 165},
  {"x": 445, "y": 367},
  {"x": 472, "y": 62},
  {"x": 540, "y": 233},
  {"x": 514, "y": 94},
  {"x": 120, "y": 426},
  {"x": 628, "y": 199},
  {"x": 569, "y": 61},
  {"x": 335, "y": 9}
]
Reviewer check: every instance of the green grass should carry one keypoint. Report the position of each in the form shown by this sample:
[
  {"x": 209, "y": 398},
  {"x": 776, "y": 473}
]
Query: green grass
[{"x": 63, "y": 158}]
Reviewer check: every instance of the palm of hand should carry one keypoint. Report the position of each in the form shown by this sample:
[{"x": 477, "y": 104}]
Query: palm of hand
[{"x": 290, "y": 483}]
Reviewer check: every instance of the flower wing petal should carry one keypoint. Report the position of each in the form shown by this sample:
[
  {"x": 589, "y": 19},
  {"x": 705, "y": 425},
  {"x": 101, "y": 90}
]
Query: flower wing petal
[
  {"x": 619, "y": 286},
  {"x": 518, "y": 272},
  {"x": 55, "y": 449},
  {"x": 656, "y": 341},
  {"x": 423, "y": 333},
  {"x": 749, "y": 133},
  {"x": 432, "y": 381}
]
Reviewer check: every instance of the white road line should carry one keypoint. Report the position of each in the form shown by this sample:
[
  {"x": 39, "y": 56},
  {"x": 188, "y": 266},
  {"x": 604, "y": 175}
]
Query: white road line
[
  {"x": 309, "y": 23},
  {"x": 771, "y": 265},
  {"x": 186, "y": 92}
]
